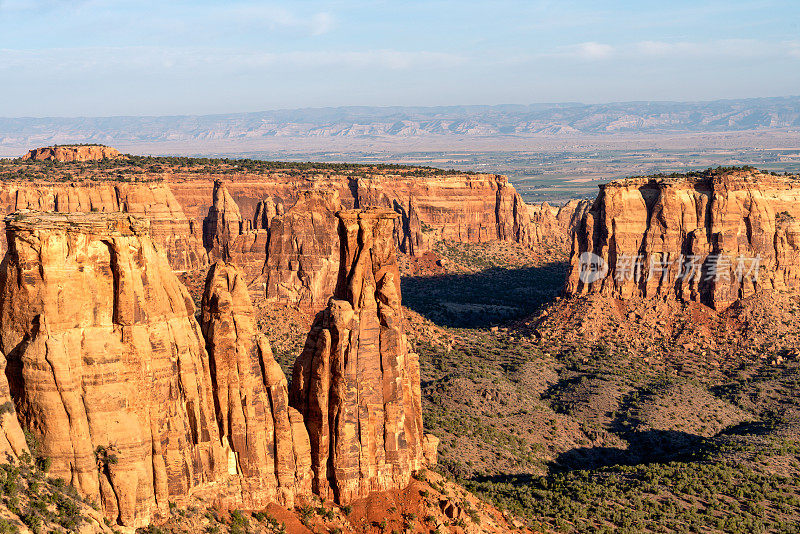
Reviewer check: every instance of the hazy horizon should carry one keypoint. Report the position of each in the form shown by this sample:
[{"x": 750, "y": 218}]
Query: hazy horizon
[{"x": 443, "y": 107}]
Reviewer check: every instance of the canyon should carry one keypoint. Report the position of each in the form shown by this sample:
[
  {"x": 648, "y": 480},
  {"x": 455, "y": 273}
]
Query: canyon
[
  {"x": 139, "y": 405},
  {"x": 276, "y": 222},
  {"x": 293, "y": 374}
]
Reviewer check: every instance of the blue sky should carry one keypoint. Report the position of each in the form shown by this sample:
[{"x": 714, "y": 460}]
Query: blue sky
[{"x": 113, "y": 57}]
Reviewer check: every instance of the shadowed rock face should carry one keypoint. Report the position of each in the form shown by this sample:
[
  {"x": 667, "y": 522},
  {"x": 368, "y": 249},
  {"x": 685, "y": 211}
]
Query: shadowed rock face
[
  {"x": 106, "y": 363},
  {"x": 72, "y": 153},
  {"x": 256, "y": 424},
  {"x": 356, "y": 382},
  {"x": 223, "y": 223},
  {"x": 713, "y": 224},
  {"x": 12, "y": 439}
]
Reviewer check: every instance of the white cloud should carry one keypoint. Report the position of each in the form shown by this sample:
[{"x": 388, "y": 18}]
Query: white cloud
[
  {"x": 590, "y": 50},
  {"x": 682, "y": 50},
  {"x": 322, "y": 23}
]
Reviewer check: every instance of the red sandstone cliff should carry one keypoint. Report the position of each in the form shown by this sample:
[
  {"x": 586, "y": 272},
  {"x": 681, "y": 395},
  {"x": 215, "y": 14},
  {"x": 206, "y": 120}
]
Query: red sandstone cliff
[
  {"x": 138, "y": 406},
  {"x": 171, "y": 231},
  {"x": 693, "y": 238},
  {"x": 303, "y": 259},
  {"x": 467, "y": 208},
  {"x": 291, "y": 256},
  {"x": 106, "y": 363}
]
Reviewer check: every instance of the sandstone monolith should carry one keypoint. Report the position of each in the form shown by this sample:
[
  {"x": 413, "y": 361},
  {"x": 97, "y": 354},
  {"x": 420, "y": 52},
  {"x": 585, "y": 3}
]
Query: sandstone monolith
[
  {"x": 106, "y": 362},
  {"x": 356, "y": 382},
  {"x": 251, "y": 395}
]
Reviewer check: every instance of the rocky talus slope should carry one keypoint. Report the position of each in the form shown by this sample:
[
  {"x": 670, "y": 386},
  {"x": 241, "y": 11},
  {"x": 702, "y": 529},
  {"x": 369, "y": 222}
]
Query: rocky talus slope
[
  {"x": 72, "y": 153},
  {"x": 356, "y": 382},
  {"x": 711, "y": 238}
]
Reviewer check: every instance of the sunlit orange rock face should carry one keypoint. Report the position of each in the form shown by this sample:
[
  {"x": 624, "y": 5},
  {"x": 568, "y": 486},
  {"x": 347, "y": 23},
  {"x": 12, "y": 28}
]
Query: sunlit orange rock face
[
  {"x": 356, "y": 382},
  {"x": 264, "y": 439},
  {"x": 138, "y": 405},
  {"x": 109, "y": 369},
  {"x": 106, "y": 362},
  {"x": 72, "y": 153},
  {"x": 170, "y": 230},
  {"x": 291, "y": 255},
  {"x": 710, "y": 239}
]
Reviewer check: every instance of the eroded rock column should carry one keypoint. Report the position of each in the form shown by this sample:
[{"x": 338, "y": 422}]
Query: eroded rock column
[
  {"x": 356, "y": 382},
  {"x": 262, "y": 444}
]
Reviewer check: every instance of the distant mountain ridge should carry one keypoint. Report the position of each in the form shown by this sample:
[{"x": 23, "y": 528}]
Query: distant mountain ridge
[{"x": 556, "y": 120}]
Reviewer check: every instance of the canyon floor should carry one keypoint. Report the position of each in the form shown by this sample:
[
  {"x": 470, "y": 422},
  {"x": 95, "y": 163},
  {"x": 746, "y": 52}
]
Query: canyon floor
[{"x": 579, "y": 420}]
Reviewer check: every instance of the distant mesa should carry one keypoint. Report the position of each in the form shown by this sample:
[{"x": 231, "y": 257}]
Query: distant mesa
[{"x": 72, "y": 153}]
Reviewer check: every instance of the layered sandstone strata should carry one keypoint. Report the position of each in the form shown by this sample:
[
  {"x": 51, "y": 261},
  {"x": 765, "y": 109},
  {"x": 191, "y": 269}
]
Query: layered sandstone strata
[
  {"x": 356, "y": 382},
  {"x": 302, "y": 263},
  {"x": 72, "y": 153},
  {"x": 265, "y": 440},
  {"x": 292, "y": 256},
  {"x": 172, "y": 232},
  {"x": 459, "y": 207},
  {"x": 712, "y": 238},
  {"x": 106, "y": 362}
]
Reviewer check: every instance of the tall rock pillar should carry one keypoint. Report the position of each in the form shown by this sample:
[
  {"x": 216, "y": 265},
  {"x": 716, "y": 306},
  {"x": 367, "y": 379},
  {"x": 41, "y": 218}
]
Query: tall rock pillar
[
  {"x": 106, "y": 362},
  {"x": 265, "y": 440},
  {"x": 356, "y": 382}
]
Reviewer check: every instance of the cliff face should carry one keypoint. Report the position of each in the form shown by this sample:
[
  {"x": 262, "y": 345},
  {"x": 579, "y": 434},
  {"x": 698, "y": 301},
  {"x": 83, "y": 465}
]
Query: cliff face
[
  {"x": 72, "y": 153},
  {"x": 106, "y": 363},
  {"x": 12, "y": 439},
  {"x": 223, "y": 223},
  {"x": 356, "y": 382},
  {"x": 303, "y": 259},
  {"x": 265, "y": 440},
  {"x": 170, "y": 229},
  {"x": 291, "y": 255},
  {"x": 461, "y": 207},
  {"x": 712, "y": 239}
]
